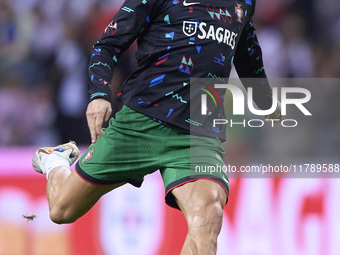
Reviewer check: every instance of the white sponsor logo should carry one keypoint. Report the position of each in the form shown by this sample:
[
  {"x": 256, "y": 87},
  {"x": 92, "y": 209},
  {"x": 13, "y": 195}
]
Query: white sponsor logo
[
  {"x": 220, "y": 34},
  {"x": 188, "y": 4}
]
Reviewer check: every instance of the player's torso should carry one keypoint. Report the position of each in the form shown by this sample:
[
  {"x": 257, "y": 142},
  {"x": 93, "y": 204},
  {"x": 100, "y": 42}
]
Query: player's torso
[{"x": 185, "y": 39}]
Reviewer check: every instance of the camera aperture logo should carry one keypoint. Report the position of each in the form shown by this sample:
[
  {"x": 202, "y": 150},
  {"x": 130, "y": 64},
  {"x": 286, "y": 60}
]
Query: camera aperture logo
[
  {"x": 204, "y": 96},
  {"x": 239, "y": 105}
]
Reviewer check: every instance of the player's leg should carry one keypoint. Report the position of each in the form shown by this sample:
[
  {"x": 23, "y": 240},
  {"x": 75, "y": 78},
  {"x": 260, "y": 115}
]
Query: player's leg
[
  {"x": 57, "y": 178},
  {"x": 68, "y": 195},
  {"x": 202, "y": 203},
  {"x": 119, "y": 156},
  {"x": 196, "y": 184}
]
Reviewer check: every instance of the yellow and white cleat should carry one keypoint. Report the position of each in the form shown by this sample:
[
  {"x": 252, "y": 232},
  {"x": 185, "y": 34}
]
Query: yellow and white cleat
[{"x": 68, "y": 151}]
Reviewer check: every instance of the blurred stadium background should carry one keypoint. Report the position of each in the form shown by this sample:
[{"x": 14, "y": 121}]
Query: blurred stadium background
[{"x": 44, "y": 50}]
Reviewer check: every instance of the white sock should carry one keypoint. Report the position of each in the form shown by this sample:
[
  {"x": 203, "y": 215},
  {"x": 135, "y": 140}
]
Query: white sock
[{"x": 54, "y": 160}]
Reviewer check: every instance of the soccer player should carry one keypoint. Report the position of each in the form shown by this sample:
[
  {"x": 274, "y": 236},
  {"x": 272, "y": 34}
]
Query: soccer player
[{"x": 160, "y": 125}]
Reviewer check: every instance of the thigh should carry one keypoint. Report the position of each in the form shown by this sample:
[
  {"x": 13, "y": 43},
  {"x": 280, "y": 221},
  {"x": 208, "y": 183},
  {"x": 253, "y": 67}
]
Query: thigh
[
  {"x": 199, "y": 158},
  {"x": 77, "y": 196}
]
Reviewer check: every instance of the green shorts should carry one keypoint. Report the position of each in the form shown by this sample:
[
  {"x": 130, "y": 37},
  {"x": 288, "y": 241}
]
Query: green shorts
[{"x": 134, "y": 145}]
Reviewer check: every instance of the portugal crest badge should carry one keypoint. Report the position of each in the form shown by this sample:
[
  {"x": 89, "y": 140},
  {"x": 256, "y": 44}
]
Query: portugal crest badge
[
  {"x": 239, "y": 12},
  {"x": 88, "y": 156},
  {"x": 189, "y": 28}
]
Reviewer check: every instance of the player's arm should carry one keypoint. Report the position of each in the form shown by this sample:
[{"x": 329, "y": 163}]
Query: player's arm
[
  {"x": 128, "y": 24},
  {"x": 248, "y": 64}
]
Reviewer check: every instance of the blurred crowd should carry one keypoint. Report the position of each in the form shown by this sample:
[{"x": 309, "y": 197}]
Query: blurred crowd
[{"x": 45, "y": 46}]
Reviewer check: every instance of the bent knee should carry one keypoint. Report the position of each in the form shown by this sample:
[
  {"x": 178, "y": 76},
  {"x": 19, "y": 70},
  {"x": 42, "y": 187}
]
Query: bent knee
[
  {"x": 60, "y": 216},
  {"x": 208, "y": 217}
]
